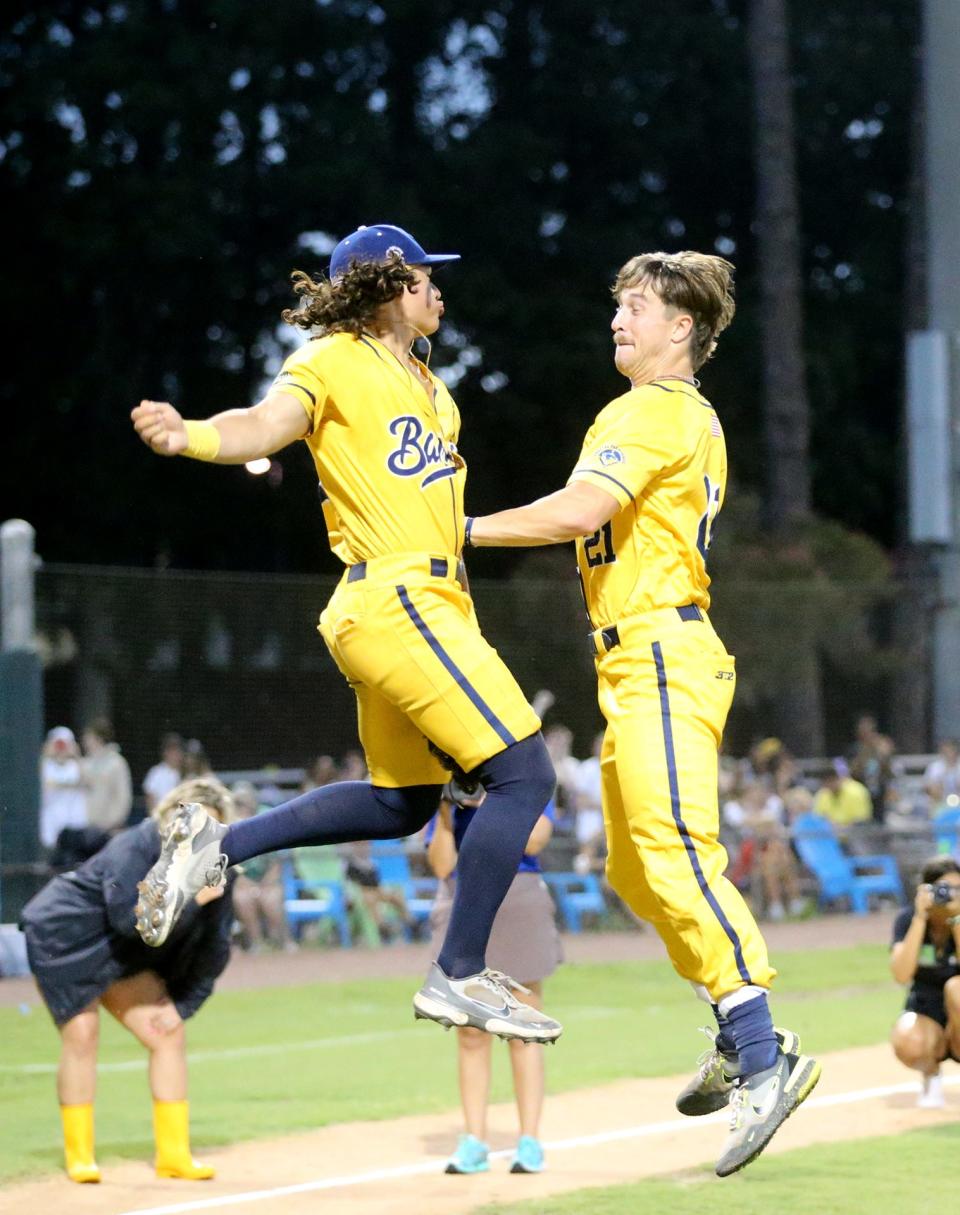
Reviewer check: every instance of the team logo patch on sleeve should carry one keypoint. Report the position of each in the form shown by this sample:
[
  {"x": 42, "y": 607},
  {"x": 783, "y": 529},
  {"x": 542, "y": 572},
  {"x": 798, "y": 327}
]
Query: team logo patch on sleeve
[{"x": 610, "y": 455}]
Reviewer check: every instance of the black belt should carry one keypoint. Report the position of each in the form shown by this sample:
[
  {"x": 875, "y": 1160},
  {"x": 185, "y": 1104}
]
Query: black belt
[
  {"x": 439, "y": 568},
  {"x": 611, "y": 634}
]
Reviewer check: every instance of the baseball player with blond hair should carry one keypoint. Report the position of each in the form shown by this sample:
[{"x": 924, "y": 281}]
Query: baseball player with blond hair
[
  {"x": 383, "y": 431},
  {"x": 641, "y": 504}
]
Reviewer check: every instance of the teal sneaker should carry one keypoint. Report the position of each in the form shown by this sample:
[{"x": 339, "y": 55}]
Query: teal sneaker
[
  {"x": 528, "y": 1158},
  {"x": 471, "y": 1156}
]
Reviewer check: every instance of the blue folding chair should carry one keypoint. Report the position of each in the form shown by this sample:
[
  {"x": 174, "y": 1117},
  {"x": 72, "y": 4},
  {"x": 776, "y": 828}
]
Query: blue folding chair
[
  {"x": 839, "y": 876},
  {"x": 946, "y": 829},
  {"x": 575, "y": 895},
  {"x": 393, "y": 869},
  {"x": 310, "y": 898}
]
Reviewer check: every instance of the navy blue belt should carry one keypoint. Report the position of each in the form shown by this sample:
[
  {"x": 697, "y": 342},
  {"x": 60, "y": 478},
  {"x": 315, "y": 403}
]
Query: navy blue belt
[
  {"x": 610, "y": 636},
  {"x": 439, "y": 568}
]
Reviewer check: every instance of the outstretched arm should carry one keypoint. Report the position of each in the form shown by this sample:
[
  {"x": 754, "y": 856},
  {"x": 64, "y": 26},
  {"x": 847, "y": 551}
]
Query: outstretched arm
[
  {"x": 233, "y": 437},
  {"x": 578, "y": 509}
]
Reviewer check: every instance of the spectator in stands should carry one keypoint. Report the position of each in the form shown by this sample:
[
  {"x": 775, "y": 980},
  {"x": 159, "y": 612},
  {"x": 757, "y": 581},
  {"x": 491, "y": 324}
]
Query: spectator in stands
[
  {"x": 354, "y": 767},
  {"x": 196, "y": 765},
  {"x": 63, "y": 794},
  {"x": 559, "y": 740},
  {"x": 872, "y": 762},
  {"x": 106, "y": 775},
  {"x": 258, "y": 889},
  {"x": 841, "y": 799},
  {"x": 524, "y": 941},
  {"x": 361, "y": 869},
  {"x": 320, "y": 771},
  {"x": 588, "y": 827},
  {"x": 758, "y": 819},
  {"x": 166, "y": 774},
  {"x": 85, "y": 953},
  {"x": 926, "y": 955},
  {"x": 941, "y": 781}
]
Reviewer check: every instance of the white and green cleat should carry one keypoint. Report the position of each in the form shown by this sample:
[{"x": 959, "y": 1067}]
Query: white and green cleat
[
  {"x": 190, "y": 858},
  {"x": 761, "y": 1104},
  {"x": 717, "y": 1072}
]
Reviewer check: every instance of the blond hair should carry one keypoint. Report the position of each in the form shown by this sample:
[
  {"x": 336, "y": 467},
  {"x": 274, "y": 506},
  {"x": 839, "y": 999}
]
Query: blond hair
[
  {"x": 698, "y": 283},
  {"x": 206, "y": 790}
]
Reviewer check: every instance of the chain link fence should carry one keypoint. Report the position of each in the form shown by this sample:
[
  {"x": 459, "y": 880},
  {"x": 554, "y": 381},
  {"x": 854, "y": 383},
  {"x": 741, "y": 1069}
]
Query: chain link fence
[{"x": 235, "y": 661}]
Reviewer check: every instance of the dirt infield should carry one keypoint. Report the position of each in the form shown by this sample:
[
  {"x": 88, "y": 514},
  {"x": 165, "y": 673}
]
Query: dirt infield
[{"x": 612, "y": 1134}]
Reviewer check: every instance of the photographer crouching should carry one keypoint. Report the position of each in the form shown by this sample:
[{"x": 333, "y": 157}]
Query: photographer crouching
[{"x": 926, "y": 955}]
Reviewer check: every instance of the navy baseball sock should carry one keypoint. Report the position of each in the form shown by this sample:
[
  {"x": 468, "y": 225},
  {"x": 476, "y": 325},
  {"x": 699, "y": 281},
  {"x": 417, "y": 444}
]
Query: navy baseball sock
[
  {"x": 519, "y": 783},
  {"x": 724, "y": 1040},
  {"x": 751, "y": 1027},
  {"x": 333, "y": 814}
]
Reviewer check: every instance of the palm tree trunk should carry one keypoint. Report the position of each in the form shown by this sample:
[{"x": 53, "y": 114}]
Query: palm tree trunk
[{"x": 799, "y": 710}]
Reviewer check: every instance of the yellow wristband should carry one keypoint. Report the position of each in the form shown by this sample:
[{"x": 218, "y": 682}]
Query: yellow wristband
[{"x": 203, "y": 440}]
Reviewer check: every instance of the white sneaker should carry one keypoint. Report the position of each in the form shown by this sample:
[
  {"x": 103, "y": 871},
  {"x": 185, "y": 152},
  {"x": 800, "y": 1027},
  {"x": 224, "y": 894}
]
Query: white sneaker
[
  {"x": 931, "y": 1094},
  {"x": 776, "y": 912},
  {"x": 485, "y": 1001}
]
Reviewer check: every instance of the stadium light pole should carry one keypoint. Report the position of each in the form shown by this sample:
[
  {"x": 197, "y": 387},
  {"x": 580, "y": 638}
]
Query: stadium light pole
[
  {"x": 21, "y": 719},
  {"x": 933, "y": 359}
]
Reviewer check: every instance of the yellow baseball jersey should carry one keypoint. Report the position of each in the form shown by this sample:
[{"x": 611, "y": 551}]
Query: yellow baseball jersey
[
  {"x": 659, "y": 450},
  {"x": 384, "y": 442}
]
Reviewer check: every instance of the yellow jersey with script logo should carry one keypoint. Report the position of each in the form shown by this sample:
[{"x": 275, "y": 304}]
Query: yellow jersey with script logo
[
  {"x": 384, "y": 442},
  {"x": 659, "y": 450}
]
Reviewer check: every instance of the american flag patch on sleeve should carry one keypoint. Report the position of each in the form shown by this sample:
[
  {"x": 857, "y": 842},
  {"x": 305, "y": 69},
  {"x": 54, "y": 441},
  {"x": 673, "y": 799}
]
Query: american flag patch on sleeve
[{"x": 715, "y": 426}]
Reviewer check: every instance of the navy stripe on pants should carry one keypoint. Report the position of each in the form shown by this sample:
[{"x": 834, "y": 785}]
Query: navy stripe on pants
[{"x": 688, "y": 843}]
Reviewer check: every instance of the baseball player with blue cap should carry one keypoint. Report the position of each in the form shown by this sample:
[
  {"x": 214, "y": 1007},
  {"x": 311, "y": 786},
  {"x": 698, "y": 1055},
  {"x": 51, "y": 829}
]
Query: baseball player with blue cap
[
  {"x": 382, "y": 430},
  {"x": 376, "y": 243}
]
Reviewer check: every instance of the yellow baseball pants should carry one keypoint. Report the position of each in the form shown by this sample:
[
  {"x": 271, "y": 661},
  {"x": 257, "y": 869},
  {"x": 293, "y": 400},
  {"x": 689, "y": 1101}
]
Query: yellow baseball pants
[{"x": 665, "y": 692}]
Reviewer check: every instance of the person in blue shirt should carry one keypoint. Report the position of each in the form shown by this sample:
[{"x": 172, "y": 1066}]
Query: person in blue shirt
[{"x": 524, "y": 942}]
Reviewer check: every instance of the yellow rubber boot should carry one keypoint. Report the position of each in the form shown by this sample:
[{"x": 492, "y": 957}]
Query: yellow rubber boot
[
  {"x": 171, "y": 1130},
  {"x": 78, "y": 1142}
]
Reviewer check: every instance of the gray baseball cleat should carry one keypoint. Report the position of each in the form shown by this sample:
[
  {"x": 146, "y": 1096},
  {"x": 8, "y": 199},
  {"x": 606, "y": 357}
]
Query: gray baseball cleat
[
  {"x": 710, "y": 1088},
  {"x": 485, "y": 1001},
  {"x": 761, "y": 1104},
  {"x": 190, "y": 859}
]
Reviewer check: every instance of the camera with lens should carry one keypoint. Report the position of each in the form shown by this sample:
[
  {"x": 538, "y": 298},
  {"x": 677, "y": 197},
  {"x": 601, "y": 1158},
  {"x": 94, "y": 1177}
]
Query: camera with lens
[{"x": 943, "y": 893}]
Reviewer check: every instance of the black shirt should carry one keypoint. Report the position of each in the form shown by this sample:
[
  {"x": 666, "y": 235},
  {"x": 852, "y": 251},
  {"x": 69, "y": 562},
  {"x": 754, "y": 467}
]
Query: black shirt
[{"x": 934, "y": 966}]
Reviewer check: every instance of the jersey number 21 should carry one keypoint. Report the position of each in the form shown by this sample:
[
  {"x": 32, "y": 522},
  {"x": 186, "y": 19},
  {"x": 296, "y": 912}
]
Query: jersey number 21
[{"x": 598, "y": 548}]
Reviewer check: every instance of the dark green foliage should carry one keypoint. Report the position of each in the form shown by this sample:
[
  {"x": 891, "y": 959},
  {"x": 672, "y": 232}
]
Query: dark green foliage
[{"x": 161, "y": 159}]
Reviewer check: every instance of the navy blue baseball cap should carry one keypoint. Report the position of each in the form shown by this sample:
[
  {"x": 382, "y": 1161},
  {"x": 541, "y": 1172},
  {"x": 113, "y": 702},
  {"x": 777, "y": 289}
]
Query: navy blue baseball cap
[{"x": 376, "y": 242}]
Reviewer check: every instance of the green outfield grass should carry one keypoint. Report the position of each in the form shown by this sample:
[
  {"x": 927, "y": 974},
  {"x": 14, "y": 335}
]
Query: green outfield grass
[
  {"x": 861, "y": 1177},
  {"x": 284, "y": 1059}
]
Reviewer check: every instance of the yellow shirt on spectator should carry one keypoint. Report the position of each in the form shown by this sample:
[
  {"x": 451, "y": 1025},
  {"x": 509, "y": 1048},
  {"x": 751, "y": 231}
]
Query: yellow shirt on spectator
[{"x": 850, "y": 804}]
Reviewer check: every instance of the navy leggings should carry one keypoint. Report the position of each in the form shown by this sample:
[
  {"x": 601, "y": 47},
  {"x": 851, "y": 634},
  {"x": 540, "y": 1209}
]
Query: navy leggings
[{"x": 519, "y": 782}]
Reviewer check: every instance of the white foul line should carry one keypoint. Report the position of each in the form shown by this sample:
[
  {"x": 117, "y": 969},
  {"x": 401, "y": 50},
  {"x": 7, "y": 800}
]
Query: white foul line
[
  {"x": 215, "y": 1055},
  {"x": 424, "y": 1167}
]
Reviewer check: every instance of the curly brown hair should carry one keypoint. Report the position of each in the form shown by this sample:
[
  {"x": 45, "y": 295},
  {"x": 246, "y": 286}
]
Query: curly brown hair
[
  {"x": 698, "y": 283},
  {"x": 348, "y": 304}
]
